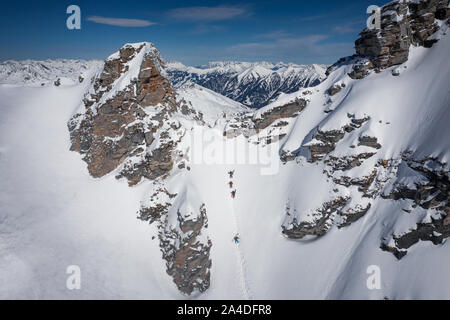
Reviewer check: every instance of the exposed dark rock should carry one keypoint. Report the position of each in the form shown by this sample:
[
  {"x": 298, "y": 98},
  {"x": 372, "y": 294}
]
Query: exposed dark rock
[
  {"x": 107, "y": 134},
  {"x": 371, "y": 142},
  {"x": 390, "y": 45},
  {"x": 403, "y": 23},
  {"x": 353, "y": 215},
  {"x": 188, "y": 259},
  {"x": 433, "y": 194},
  {"x": 328, "y": 140},
  {"x": 184, "y": 246},
  {"x": 348, "y": 162},
  {"x": 321, "y": 223},
  {"x": 282, "y": 112},
  {"x": 399, "y": 254},
  {"x": 156, "y": 164},
  {"x": 435, "y": 231},
  {"x": 361, "y": 70},
  {"x": 334, "y": 89}
]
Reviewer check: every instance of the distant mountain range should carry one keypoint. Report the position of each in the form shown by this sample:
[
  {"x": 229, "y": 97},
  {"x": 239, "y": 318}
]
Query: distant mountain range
[
  {"x": 252, "y": 84},
  {"x": 41, "y": 72}
]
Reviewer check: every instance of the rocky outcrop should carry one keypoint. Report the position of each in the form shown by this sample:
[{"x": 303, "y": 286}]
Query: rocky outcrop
[
  {"x": 335, "y": 89},
  {"x": 188, "y": 258},
  {"x": 389, "y": 45},
  {"x": 353, "y": 214},
  {"x": 347, "y": 162},
  {"x": 185, "y": 246},
  {"x": 327, "y": 143},
  {"x": 368, "y": 141},
  {"x": 324, "y": 142},
  {"x": 121, "y": 120},
  {"x": 403, "y": 23},
  {"x": 128, "y": 125},
  {"x": 289, "y": 110},
  {"x": 271, "y": 121},
  {"x": 431, "y": 193},
  {"x": 320, "y": 224}
]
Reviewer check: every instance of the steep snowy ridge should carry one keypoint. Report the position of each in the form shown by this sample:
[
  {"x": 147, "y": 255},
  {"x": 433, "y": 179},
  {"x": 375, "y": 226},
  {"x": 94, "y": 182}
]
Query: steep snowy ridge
[{"x": 253, "y": 84}]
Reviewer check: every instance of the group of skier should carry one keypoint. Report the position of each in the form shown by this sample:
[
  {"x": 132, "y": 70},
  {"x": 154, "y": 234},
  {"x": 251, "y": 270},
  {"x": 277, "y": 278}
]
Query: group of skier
[
  {"x": 236, "y": 238},
  {"x": 233, "y": 192}
]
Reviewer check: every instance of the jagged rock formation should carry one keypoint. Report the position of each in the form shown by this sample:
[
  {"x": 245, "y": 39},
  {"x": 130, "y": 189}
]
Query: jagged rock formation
[
  {"x": 324, "y": 142},
  {"x": 252, "y": 84},
  {"x": 184, "y": 245},
  {"x": 266, "y": 125},
  {"x": 430, "y": 191},
  {"x": 322, "y": 221},
  {"x": 403, "y": 23},
  {"x": 116, "y": 125},
  {"x": 126, "y": 125},
  {"x": 289, "y": 110}
]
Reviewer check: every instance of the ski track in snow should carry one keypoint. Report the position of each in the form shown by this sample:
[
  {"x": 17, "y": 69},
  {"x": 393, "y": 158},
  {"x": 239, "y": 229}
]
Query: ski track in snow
[{"x": 242, "y": 264}]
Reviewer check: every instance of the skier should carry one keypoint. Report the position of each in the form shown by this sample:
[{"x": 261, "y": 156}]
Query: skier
[
  {"x": 233, "y": 194},
  {"x": 236, "y": 239},
  {"x": 231, "y": 184},
  {"x": 231, "y": 173}
]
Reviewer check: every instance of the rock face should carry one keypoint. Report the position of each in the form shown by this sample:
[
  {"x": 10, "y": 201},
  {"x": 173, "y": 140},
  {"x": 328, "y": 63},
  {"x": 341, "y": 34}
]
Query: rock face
[
  {"x": 321, "y": 223},
  {"x": 282, "y": 112},
  {"x": 184, "y": 246},
  {"x": 390, "y": 45},
  {"x": 271, "y": 121},
  {"x": 325, "y": 141},
  {"x": 403, "y": 23},
  {"x": 116, "y": 122},
  {"x": 188, "y": 260},
  {"x": 430, "y": 192}
]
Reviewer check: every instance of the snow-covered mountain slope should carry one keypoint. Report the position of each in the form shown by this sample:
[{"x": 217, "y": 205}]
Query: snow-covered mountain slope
[
  {"x": 253, "y": 84},
  {"x": 331, "y": 182},
  {"x": 33, "y": 72}
]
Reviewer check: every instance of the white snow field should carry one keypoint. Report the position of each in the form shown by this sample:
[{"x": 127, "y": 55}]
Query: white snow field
[{"x": 53, "y": 214}]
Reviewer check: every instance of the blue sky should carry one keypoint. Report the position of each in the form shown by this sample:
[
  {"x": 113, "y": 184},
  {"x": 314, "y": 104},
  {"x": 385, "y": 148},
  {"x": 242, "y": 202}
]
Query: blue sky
[{"x": 193, "y": 32}]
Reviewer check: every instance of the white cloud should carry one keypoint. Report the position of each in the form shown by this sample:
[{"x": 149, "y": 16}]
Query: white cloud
[
  {"x": 120, "y": 22},
  {"x": 206, "y": 13},
  {"x": 277, "y": 34}
]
